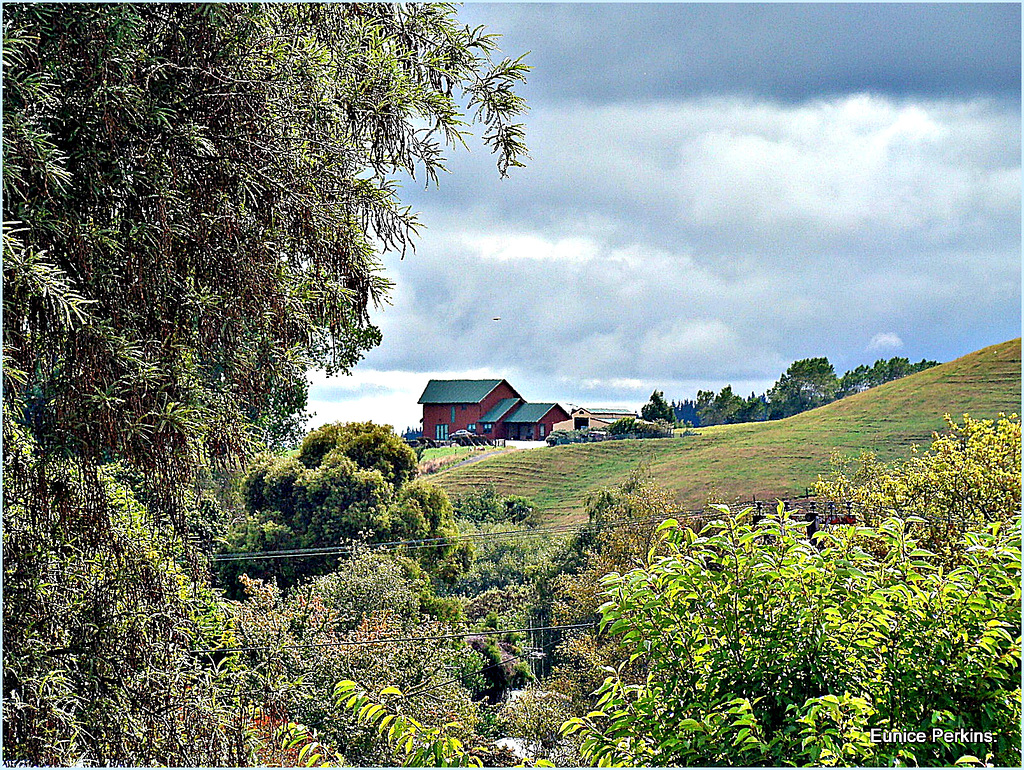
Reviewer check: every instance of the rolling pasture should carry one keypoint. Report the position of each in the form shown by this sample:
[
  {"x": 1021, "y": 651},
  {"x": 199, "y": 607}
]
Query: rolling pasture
[{"x": 767, "y": 459}]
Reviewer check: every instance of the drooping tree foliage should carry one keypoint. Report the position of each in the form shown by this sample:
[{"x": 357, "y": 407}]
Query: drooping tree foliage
[
  {"x": 194, "y": 200},
  {"x": 196, "y": 196},
  {"x": 101, "y": 612}
]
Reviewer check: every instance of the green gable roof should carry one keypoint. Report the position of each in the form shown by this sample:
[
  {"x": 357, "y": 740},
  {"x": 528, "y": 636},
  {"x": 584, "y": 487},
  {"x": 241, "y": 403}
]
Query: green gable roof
[
  {"x": 457, "y": 391},
  {"x": 530, "y": 412},
  {"x": 499, "y": 410}
]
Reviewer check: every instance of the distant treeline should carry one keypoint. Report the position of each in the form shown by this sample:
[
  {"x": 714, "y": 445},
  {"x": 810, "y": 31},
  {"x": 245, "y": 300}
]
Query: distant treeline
[{"x": 808, "y": 383}]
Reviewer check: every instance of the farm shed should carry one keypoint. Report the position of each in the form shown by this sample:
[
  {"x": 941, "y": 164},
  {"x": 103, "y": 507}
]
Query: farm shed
[{"x": 597, "y": 417}]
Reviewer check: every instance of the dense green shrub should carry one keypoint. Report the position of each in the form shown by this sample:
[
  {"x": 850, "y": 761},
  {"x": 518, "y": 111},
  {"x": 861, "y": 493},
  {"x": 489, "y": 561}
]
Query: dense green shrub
[
  {"x": 558, "y": 437},
  {"x": 370, "y": 446},
  {"x": 367, "y": 585},
  {"x": 636, "y": 428},
  {"x": 351, "y": 483},
  {"x": 762, "y": 648},
  {"x": 486, "y": 505}
]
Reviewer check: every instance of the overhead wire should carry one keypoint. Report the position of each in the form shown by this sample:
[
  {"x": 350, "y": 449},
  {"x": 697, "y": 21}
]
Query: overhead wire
[
  {"x": 436, "y": 542},
  {"x": 386, "y": 640},
  {"x": 424, "y": 542}
]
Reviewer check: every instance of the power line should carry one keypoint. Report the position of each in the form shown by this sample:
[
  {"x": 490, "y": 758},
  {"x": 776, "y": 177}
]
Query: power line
[
  {"x": 436, "y": 542},
  {"x": 826, "y": 511},
  {"x": 424, "y": 542},
  {"x": 389, "y": 640}
]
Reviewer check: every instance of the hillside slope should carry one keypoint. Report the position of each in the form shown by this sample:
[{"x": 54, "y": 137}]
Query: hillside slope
[{"x": 767, "y": 459}]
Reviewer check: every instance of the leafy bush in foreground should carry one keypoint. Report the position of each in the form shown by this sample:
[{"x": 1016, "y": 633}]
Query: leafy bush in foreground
[{"x": 762, "y": 649}]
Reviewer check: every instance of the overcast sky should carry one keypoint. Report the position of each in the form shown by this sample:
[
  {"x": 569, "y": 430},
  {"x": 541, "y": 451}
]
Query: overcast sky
[{"x": 715, "y": 191}]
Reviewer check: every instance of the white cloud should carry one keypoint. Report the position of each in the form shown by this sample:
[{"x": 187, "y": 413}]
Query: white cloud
[
  {"x": 514, "y": 247},
  {"x": 885, "y": 341},
  {"x": 722, "y": 173}
]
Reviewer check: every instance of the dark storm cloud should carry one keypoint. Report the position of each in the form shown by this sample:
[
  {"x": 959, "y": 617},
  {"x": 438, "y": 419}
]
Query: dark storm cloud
[{"x": 637, "y": 52}]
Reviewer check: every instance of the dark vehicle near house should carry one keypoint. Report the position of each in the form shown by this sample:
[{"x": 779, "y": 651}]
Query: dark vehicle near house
[{"x": 465, "y": 438}]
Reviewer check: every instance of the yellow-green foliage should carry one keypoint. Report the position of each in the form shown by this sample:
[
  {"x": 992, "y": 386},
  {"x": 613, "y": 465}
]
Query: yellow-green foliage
[
  {"x": 970, "y": 476},
  {"x": 370, "y": 445}
]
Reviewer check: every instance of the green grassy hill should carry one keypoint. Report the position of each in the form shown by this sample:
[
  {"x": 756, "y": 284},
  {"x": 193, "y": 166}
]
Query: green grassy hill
[{"x": 767, "y": 459}]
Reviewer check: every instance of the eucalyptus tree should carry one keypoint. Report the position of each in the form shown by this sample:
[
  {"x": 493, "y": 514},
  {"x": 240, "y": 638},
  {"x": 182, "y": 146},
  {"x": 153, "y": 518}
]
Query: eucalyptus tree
[
  {"x": 196, "y": 198},
  {"x": 806, "y": 384}
]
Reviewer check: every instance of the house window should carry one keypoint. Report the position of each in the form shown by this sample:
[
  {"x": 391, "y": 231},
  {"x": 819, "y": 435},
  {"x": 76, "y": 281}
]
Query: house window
[
  {"x": 452, "y": 421},
  {"x": 471, "y": 427},
  {"x": 541, "y": 429},
  {"x": 488, "y": 426},
  {"x": 441, "y": 432},
  {"x": 463, "y": 407}
]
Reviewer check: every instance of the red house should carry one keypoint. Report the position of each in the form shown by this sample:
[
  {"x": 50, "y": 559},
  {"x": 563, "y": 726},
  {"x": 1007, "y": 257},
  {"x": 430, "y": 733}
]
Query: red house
[{"x": 490, "y": 408}]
